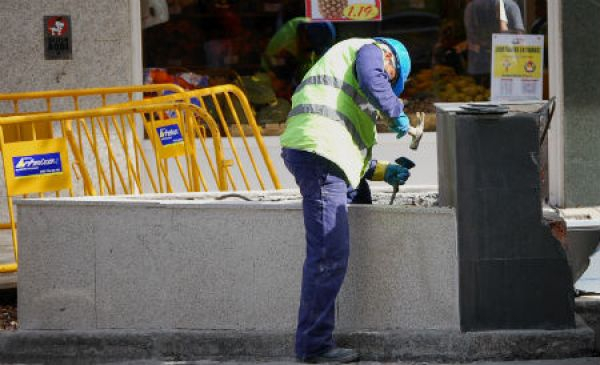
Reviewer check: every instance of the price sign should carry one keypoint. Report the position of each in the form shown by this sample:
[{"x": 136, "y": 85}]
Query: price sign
[
  {"x": 361, "y": 12},
  {"x": 343, "y": 10}
]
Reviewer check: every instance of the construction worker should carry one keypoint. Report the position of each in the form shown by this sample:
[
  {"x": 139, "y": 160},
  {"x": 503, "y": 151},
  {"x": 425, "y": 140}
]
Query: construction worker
[
  {"x": 326, "y": 145},
  {"x": 293, "y": 49}
]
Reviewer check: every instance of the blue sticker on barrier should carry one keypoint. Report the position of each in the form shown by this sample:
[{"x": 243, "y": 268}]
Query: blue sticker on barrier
[
  {"x": 169, "y": 134},
  {"x": 41, "y": 164}
]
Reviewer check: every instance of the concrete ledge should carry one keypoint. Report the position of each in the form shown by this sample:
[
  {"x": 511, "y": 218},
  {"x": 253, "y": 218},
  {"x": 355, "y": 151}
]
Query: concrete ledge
[
  {"x": 588, "y": 307},
  {"x": 419, "y": 345},
  {"x": 201, "y": 264}
]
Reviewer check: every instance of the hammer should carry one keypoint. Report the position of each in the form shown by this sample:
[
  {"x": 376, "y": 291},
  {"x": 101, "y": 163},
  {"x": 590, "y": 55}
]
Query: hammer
[
  {"x": 417, "y": 132},
  {"x": 404, "y": 162}
]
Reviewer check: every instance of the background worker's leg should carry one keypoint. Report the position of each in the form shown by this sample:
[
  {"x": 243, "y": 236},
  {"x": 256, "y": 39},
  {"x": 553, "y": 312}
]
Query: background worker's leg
[{"x": 324, "y": 193}]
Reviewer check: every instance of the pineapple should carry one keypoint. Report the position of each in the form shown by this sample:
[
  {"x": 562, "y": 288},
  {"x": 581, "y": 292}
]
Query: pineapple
[{"x": 332, "y": 8}]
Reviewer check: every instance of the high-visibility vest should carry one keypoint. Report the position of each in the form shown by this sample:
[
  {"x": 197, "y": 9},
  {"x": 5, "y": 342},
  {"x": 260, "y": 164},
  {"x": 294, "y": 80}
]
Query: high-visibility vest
[{"x": 331, "y": 116}]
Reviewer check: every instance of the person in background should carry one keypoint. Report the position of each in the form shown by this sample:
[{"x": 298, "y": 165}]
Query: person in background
[
  {"x": 326, "y": 145},
  {"x": 482, "y": 19},
  {"x": 449, "y": 50},
  {"x": 293, "y": 49}
]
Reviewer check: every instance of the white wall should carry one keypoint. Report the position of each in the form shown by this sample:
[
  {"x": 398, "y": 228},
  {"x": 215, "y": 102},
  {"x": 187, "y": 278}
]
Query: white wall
[{"x": 102, "y": 53}]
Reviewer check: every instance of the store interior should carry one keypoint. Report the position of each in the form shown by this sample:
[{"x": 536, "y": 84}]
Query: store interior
[{"x": 211, "y": 42}]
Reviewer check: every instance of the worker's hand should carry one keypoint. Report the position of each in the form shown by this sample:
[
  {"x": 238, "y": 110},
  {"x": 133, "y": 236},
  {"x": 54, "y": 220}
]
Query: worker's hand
[
  {"x": 396, "y": 174},
  {"x": 400, "y": 125}
]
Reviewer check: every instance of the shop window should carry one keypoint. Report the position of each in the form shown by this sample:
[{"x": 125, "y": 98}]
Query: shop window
[{"x": 223, "y": 41}]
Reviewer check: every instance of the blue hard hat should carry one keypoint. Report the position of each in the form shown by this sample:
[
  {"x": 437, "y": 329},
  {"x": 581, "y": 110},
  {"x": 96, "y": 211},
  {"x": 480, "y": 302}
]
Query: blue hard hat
[{"x": 402, "y": 62}]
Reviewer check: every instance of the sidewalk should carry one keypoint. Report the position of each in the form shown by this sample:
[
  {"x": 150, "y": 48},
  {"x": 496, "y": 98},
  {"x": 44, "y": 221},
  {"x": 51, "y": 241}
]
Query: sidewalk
[{"x": 573, "y": 361}]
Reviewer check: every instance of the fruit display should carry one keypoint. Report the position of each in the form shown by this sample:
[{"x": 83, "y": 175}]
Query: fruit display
[
  {"x": 441, "y": 84},
  {"x": 275, "y": 112},
  {"x": 332, "y": 9},
  {"x": 258, "y": 89}
]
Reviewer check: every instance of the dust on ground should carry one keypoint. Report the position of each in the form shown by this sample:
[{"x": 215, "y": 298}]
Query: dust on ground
[{"x": 381, "y": 197}]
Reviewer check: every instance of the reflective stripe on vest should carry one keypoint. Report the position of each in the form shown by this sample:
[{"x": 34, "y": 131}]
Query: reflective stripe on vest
[
  {"x": 362, "y": 102},
  {"x": 330, "y": 114}
]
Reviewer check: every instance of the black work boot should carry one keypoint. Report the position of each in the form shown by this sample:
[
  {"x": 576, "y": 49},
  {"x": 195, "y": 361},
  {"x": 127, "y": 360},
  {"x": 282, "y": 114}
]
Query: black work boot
[{"x": 336, "y": 354}]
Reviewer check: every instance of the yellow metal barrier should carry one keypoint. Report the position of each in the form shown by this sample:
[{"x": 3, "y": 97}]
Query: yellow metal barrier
[
  {"x": 228, "y": 105},
  {"x": 24, "y": 103},
  {"x": 76, "y": 99},
  {"x": 116, "y": 160},
  {"x": 109, "y": 155},
  {"x": 65, "y": 100}
]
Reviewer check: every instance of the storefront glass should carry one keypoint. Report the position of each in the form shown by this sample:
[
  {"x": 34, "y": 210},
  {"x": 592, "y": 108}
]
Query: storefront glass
[{"x": 209, "y": 42}]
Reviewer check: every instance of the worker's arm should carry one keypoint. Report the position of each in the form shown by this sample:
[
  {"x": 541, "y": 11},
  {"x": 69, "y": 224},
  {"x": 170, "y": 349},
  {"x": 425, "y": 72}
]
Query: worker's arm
[{"x": 375, "y": 83}]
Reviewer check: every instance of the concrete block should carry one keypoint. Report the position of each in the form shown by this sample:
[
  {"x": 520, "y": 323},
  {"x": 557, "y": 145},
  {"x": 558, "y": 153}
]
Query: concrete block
[
  {"x": 162, "y": 263},
  {"x": 132, "y": 262},
  {"x": 56, "y": 269},
  {"x": 402, "y": 273}
]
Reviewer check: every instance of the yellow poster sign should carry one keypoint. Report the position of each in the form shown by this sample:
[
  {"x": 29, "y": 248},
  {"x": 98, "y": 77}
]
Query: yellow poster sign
[
  {"x": 517, "y": 67},
  {"x": 518, "y": 61}
]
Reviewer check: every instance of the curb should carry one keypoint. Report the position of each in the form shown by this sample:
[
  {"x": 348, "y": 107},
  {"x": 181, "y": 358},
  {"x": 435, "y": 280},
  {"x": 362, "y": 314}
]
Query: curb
[
  {"x": 27, "y": 346},
  {"x": 588, "y": 307}
]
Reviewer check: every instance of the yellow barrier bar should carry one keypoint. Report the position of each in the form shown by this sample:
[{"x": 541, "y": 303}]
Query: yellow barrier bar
[
  {"x": 13, "y": 226},
  {"x": 197, "y": 174},
  {"x": 54, "y": 94},
  {"x": 141, "y": 156},
  {"x": 197, "y": 130},
  {"x": 243, "y": 135},
  {"x": 251, "y": 122},
  {"x": 8, "y": 268},
  {"x": 87, "y": 179},
  {"x": 229, "y": 137}
]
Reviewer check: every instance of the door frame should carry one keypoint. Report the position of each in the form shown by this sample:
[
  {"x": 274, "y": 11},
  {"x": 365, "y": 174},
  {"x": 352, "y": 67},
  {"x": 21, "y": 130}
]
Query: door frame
[{"x": 556, "y": 87}]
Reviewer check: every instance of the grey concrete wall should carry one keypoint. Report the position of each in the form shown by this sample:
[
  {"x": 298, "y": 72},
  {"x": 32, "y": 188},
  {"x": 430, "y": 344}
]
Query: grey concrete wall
[
  {"x": 93, "y": 263},
  {"x": 102, "y": 45},
  {"x": 581, "y": 74}
]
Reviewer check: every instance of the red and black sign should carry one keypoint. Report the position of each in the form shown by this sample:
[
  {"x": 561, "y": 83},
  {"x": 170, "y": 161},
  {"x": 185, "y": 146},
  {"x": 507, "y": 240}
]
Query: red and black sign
[{"x": 57, "y": 37}]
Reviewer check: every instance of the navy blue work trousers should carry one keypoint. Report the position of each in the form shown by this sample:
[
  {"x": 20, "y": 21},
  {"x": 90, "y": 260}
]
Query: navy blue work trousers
[{"x": 325, "y": 198}]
